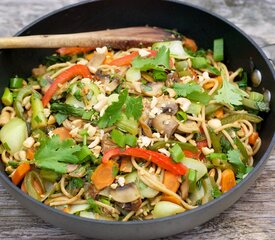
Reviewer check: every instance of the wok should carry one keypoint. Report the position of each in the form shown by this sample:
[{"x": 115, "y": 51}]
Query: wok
[{"x": 193, "y": 22}]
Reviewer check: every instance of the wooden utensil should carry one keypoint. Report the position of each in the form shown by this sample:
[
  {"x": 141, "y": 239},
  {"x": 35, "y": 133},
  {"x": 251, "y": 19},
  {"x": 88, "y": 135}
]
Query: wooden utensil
[{"x": 120, "y": 38}]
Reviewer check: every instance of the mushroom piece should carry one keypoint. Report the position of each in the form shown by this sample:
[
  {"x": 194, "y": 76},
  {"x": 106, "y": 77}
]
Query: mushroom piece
[
  {"x": 107, "y": 144},
  {"x": 96, "y": 61},
  {"x": 165, "y": 124},
  {"x": 109, "y": 83},
  {"x": 131, "y": 206},
  {"x": 152, "y": 89},
  {"x": 167, "y": 105},
  {"x": 184, "y": 188},
  {"x": 125, "y": 194}
]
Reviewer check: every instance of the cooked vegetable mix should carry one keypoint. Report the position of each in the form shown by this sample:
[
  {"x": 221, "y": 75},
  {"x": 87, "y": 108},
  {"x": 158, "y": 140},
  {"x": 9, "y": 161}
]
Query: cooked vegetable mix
[{"x": 130, "y": 135}]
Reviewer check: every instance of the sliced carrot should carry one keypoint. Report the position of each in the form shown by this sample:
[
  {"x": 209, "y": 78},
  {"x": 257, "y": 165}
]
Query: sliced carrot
[
  {"x": 219, "y": 78},
  {"x": 228, "y": 180},
  {"x": 62, "y": 132},
  {"x": 190, "y": 44},
  {"x": 253, "y": 138},
  {"x": 20, "y": 172},
  {"x": 190, "y": 154},
  {"x": 126, "y": 165},
  {"x": 73, "y": 50},
  {"x": 208, "y": 85},
  {"x": 170, "y": 180},
  {"x": 170, "y": 198},
  {"x": 219, "y": 113},
  {"x": 89, "y": 56},
  {"x": 30, "y": 153},
  {"x": 23, "y": 187},
  {"x": 109, "y": 58},
  {"x": 104, "y": 175}
]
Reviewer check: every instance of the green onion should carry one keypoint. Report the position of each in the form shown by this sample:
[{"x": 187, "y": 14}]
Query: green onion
[
  {"x": 84, "y": 134},
  {"x": 255, "y": 96},
  {"x": 176, "y": 153},
  {"x": 181, "y": 116},
  {"x": 38, "y": 117},
  {"x": 16, "y": 82},
  {"x": 84, "y": 154},
  {"x": 199, "y": 62},
  {"x": 192, "y": 178},
  {"x": 118, "y": 137},
  {"x": 213, "y": 70},
  {"x": 130, "y": 140},
  {"x": 221, "y": 156},
  {"x": 218, "y": 50},
  {"x": 159, "y": 75},
  {"x": 7, "y": 97}
]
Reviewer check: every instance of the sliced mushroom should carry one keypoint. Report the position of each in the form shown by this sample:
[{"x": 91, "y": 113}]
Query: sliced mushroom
[
  {"x": 131, "y": 206},
  {"x": 107, "y": 144},
  {"x": 188, "y": 127},
  {"x": 152, "y": 89},
  {"x": 127, "y": 193},
  {"x": 167, "y": 105},
  {"x": 172, "y": 78},
  {"x": 109, "y": 83},
  {"x": 184, "y": 188},
  {"x": 165, "y": 124}
]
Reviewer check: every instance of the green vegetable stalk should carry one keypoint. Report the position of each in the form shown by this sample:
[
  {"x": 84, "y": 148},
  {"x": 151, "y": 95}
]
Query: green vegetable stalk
[
  {"x": 38, "y": 117},
  {"x": 28, "y": 181},
  {"x": 19, "y": 110},
  {"x": 238, "y": 116},
  {"x": 127, "y": 124},
  {"x": 7, "y": 97}
]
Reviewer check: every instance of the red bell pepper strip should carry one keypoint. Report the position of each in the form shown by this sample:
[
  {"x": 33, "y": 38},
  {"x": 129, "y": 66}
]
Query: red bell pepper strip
[
  {"x": 63, "y": 77},
  {"x": 127, "y": 59},
  {"x": 155, "y": 157},
  {"x": 202, "y": 144},
  {"x": 190, "y": 154},
  {"x": 72, "y": 50}
]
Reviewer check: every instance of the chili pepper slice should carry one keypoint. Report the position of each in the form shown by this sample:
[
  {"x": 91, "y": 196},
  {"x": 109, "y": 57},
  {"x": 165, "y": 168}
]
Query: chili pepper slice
[
  {"x": 155, "y": 157},
  {"x": 65, "y": 76}
]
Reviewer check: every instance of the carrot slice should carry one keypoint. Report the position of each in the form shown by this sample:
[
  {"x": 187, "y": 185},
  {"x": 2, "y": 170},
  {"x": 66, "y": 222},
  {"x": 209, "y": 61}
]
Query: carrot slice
[
  {"x": 104, "y": 175},
  {"x": 62, "y": 132},
  {"x": 228, "y": 180},
  {"x": 190, "y": 44},
  {"x": 219, "y": 113},
  {"x": 170, "y": 180},
  {"x": 20, "y": 172},
  {"x": 73, "y": 50},
  {"x": 30, "y": 153},
  {"x": 253, "y": 138},
  {"x": 208, "y": 85}
]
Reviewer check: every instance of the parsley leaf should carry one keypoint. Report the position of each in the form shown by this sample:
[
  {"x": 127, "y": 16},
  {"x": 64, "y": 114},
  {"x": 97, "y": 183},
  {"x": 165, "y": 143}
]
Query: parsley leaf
[
  {"x": 216, "y": 191},
  {"x": 113, "y": 112},
  {"x": 192, "y": 91},
  {"x": 234, "y": 157},
  {"x": 133, "y": 107},
  {"x": 160, "y": 62},
  {"x": 55, "y": 154}
]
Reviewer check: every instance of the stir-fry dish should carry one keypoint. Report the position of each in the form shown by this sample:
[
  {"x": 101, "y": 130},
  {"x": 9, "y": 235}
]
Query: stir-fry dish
[{"x": 137, "y": 134}]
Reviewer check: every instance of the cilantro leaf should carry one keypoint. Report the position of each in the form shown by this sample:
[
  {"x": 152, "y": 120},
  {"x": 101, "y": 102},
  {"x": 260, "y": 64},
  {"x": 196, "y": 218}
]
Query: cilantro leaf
[
  {"x": 160, "y": 62},
  {"x": 134, "y": 107},
  {"x": 182, "y": 90},
  {"x": 192, "y": 91},
  {"x": 55, "y": 154},
  {"x": 113, "y": 112},
  {"x": 216, "y": 191},
  {"x": 234, "y": 157}
]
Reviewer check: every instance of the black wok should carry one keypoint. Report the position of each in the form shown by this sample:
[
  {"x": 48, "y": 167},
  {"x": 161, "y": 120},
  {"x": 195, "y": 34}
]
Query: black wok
[{"x": 198, "y": 24}]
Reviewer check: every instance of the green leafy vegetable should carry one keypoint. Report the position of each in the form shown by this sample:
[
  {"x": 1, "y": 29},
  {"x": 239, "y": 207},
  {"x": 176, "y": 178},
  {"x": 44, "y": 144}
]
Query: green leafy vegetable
[
  {"x": 160, "y": 62},
  {"x": 50, "y": 60},
  {"x": 216, "y": 192},
  {"x": 133, "y": 107},
  {"x": 113, "y": 113},
  {"x": 93, "y": 206},
  {"x": 55, "y": 154},
  {"x": 192, "y": 91},
  {"x": 234, "y": 157}
]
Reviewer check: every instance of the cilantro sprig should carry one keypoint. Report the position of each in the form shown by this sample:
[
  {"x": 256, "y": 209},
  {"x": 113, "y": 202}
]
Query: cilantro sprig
[
  {"x": 130, "y": 105},
  {"x": 55, "y": 154}
]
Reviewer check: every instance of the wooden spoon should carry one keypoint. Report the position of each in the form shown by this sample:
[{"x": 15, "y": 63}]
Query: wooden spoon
[{"x": 120, "y": 38}]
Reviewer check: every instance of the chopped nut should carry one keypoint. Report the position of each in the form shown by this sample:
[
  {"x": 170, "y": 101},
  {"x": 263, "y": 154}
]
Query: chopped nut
[{"x": 28, "y": 143}]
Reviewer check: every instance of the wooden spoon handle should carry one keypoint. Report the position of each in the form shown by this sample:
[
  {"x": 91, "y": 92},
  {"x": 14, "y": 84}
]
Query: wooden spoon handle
[{"x": 117, "y": 38}]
